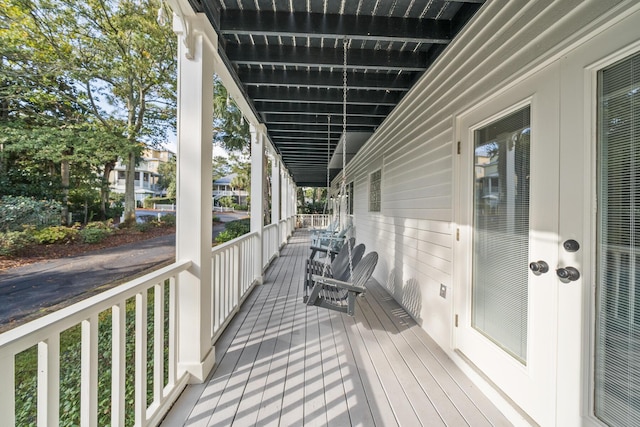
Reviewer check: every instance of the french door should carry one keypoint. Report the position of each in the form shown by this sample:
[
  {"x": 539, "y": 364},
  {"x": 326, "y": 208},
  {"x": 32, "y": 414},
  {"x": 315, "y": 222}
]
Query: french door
[
  {"x": 509, "y": 171},
  {"x": 548, "y": 289}
]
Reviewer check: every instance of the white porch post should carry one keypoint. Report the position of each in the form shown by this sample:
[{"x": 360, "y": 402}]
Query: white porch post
[
  {"x": 257, "y": 190},
  {"x": 292, "y": 197},
  {"x": 194, "y": 205},
  {"x": 275, "y": 191}
]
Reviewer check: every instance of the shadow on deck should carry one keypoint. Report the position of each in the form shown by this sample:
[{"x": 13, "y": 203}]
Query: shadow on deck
[{"x": 282, "y": 363}]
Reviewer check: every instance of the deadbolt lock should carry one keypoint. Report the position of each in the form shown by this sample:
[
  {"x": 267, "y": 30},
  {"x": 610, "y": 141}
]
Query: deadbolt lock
[
  {"x": 570, "y": 274},
  {"x": 571, "y": 245}
]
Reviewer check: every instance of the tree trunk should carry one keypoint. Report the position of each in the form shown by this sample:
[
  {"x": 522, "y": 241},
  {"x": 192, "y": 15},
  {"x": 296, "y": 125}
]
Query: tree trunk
[
  {"x": 104, "y": 189},
  {"x": 64, "y": 176},
  {"x": 130, "y": 191}
]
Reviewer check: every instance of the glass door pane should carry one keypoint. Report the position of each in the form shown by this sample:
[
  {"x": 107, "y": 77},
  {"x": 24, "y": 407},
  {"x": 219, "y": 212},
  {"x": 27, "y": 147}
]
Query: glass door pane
[
  {"x": 501, "y": 232},
  {"x": 617, "y": 364}
]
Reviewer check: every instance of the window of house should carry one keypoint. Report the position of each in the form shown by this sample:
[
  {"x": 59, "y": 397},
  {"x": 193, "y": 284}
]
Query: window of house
[
  {"x": 350, "y": 197},
  {"x": 375, "y": 190}
]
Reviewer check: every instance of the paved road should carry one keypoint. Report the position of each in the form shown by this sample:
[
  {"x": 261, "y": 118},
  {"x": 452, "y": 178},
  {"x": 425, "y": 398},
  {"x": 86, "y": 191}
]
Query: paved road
[{"x": 37, "y": 289}]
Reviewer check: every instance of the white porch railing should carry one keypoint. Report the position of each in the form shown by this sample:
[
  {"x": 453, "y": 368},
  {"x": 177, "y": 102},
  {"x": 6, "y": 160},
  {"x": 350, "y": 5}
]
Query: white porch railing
[
  {"x": 270, "y": 243},
  {"x": 233, "y": 277},
  {"x": 313, "y": 220},
  {"x": 284, "y": 233},
  {"x": 109, "y": 306},
  {"x": 151, "y": 302}
]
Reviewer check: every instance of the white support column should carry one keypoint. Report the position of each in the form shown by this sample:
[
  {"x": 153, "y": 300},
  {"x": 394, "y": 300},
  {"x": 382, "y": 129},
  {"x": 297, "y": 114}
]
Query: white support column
[
  {"x": 257, "y": 190},
  {"x": 294, "y": 198},
  {"x": 275, "y": 191},
  {"x": 288, "y": 203},
  {"x": 196, "y": 49}
]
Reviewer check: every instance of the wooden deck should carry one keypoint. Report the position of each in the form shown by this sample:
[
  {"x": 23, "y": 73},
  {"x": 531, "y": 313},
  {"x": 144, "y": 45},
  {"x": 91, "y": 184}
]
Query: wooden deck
[{"x": 283, "y": 363}]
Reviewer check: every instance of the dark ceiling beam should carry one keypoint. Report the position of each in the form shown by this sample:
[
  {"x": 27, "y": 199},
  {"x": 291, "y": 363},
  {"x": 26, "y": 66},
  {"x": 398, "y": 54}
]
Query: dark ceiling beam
[
  {"x": 313, "y": 109},
  {"x": 302, "y": 135},
  {"x": 293, "y": 118},
  {"x": 326, "y": 79},
  {"x": 320, "y": 128},
  {"x": 323, "y": 96},
  {"x": 302, "y": 56},
  {"x": 360, "y": 27}
]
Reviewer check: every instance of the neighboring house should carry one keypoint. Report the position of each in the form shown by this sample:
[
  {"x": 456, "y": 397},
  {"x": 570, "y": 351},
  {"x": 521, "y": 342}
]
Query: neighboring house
[
  {"x": 147, "y": 176},
  {"x": 222, "y": 188}
]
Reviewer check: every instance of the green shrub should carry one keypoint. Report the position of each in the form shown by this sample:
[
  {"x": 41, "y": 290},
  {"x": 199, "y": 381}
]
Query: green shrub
[
  {"x": 94, "y": 235},
  {"x": 16, "y": 211},
  {"x": 13, "y": 242},
  {"x": 55, "y": 234},
  {"x": 145, "y": 226},
  {"x": 234, "y": 229},
  {"x": 168, "y": 220},
  {"x": 100, "y": 225}
]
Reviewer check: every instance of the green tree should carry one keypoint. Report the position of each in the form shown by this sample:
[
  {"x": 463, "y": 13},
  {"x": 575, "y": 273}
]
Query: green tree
[
  {"x": 168, "y": 172},
  {"x": 220, "y": 167},
  {"x": 114, "y": 55},
  {"x": 230, "y": 130}
]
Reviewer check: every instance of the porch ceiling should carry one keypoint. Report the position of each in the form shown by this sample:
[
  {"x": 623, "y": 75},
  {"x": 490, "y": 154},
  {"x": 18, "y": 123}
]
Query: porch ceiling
[{"x": 287, "y": 56}]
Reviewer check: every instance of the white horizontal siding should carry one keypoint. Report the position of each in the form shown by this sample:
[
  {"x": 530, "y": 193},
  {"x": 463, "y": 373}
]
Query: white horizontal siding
[{"x": 505, "y": 41}]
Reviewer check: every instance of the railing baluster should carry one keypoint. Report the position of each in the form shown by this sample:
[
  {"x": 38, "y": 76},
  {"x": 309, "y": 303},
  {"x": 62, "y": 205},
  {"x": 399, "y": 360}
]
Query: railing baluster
[
  {"x": 49, "y": 381},
  {"x": 236, "y": 275},
  {"x": 172, "y": 332},
  {"x": 216, "y": 292},
  {"x": 141, "y": 359},
  {"x": 89, "y": 372},
  {"x": 224, "y": 272},
  {"x": 118, "y": 361},
  {"x": 158, "y": 342},
  {"x": 8, "y": 390},
  {"x": 214, "y": 296}
]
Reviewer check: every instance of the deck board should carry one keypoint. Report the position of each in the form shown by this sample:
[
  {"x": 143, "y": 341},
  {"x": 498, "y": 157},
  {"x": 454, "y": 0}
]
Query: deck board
[{"x": 282, "y": 363}]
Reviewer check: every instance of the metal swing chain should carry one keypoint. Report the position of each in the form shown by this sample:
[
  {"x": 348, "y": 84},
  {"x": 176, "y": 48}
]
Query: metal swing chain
[
  {"x": 343, "y": 183},
  {"x": 325, "y": 266},
  {"x": 343, "y": 180}
]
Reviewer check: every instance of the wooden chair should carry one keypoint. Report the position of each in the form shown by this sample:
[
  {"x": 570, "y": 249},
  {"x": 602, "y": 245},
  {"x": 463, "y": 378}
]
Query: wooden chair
[
  {"x": 337, "y": 269},
  {"x": 331, "y": 228},
  {"x": 340, "y": 295},
  {"x": 328, "y": 244}
]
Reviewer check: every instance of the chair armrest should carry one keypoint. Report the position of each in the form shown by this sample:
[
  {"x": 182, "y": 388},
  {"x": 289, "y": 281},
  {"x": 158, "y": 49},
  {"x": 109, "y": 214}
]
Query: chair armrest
[
  {"x": 315, "y": 249},
  {"x": 337, "y": 283}
]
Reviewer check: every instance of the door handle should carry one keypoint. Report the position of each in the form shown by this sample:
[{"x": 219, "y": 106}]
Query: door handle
[
  {"x": 539, "y": 267},
  {"x": 570, "y": 274}
]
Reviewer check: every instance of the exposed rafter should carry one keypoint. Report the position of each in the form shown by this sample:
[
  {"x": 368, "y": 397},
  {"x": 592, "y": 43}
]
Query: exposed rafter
[
  {"x": 324, "y": 96},
  {"x": 396, "y": 81},
  {"x": 302, "y": 56},
  {"x": 353, "y": 27}
]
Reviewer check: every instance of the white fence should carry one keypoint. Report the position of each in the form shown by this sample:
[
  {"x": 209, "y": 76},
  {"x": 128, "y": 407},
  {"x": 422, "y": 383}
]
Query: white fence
[
  {"x": 162, "y": 207},
  {"x": 222, "y": 209},
  {"x": 144, "y": 309}
]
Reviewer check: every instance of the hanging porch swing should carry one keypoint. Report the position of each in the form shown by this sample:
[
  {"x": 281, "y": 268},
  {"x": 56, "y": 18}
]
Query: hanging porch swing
[{"x": 336, "y": 285}]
